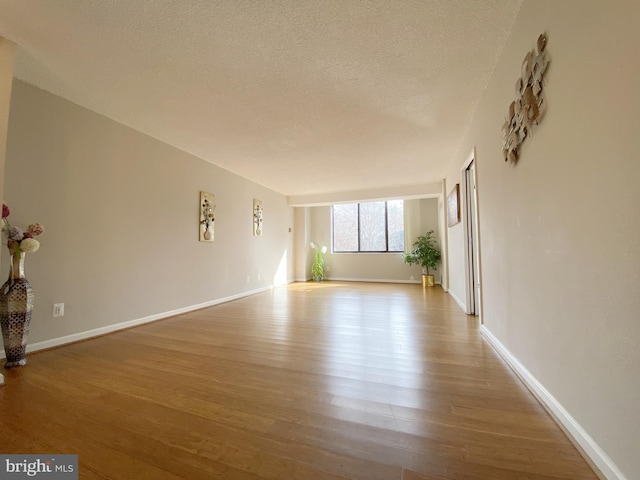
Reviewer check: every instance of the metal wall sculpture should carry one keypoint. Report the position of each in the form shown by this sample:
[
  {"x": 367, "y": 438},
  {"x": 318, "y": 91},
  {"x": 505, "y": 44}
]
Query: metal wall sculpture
[{"x": 529, "y": 106}]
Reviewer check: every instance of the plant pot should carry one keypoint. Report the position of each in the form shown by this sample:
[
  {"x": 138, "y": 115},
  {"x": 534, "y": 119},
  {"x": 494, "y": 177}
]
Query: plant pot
[{"x": 428, "y": 280}]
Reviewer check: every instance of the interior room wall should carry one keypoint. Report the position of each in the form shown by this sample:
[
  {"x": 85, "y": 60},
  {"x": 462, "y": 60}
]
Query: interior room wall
[
  {"x": 121, "y": 215},
  {"x": 560, "y": 229},
  {"x": 455, "y": 248},
  {"x": 377, "y": 267},
  {"x": 7, "y": 56},
  {"x": 430, "y": 220},
  {"x": 302, "y": 237},
  {"x": 442, "y": 240}
]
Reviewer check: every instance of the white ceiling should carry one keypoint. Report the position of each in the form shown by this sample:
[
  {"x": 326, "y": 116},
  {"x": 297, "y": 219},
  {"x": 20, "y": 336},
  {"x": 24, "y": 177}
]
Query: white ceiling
[{"x": 301, "y": 96}]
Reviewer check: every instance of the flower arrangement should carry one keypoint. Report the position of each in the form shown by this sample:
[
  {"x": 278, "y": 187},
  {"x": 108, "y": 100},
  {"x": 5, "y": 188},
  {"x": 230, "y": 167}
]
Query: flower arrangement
[
  {"x": 318, "y": 268},
  {"x": 257, "y": 218},
  {"x": 19, "y": 240},
  {"x": 206, "y": 211}
]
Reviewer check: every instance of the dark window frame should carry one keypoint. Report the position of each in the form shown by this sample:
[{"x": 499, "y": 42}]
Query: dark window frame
[{"x": 386, "y": 231}]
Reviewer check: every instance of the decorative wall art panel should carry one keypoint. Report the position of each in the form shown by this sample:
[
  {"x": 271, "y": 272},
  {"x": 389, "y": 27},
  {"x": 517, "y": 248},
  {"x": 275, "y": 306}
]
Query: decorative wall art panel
[
  {"x": 257, "y": 218},
  {"x": 529, "y": 106},
  {"x": 453, "y": 206},
  {"x": 207, "y": 217}
]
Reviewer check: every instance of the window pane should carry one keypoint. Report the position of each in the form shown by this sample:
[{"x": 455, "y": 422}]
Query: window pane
[
  {"x": 345, "y": 228},
  {"x": 372, "y": 227},
  {"x": 395, "y": 218}
]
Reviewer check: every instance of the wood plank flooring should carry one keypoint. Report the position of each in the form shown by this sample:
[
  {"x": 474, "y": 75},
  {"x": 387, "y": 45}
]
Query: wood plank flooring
[{"x": 309, "y": 381}]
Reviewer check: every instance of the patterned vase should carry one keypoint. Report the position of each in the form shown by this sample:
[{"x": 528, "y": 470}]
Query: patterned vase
[{"x": 16, "y": 304}]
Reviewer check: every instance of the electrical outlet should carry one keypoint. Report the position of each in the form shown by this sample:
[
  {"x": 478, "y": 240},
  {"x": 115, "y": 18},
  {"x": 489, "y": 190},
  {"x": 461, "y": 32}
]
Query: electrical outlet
[
  {"x": 58, "y": 309},
  {"x": 259, "y": 276},
  {"x": 248, "y": 278}
]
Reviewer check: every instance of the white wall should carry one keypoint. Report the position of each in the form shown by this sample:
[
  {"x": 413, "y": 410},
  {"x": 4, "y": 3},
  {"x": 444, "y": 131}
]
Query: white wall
[
  {"x": 455, "y": 243},
  {"x": 358, "y": 196},
  {"x": 121, "y": 216},
  {"x": 560, "y": 230},
  {"x": 442, "y": 238},
  {"x": 302, "y": 237},
  {"x": 387, "y": 267},
  {"x": 430, "y": 220}
]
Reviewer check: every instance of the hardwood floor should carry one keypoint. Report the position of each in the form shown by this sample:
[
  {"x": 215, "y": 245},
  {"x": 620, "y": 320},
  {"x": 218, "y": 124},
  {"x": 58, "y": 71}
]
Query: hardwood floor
[{"x": 310, "y": 381}]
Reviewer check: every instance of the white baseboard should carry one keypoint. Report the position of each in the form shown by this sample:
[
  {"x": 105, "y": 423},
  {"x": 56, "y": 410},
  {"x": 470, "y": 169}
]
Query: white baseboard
[
  {"x": 460, "y": 303},
  {"x": 371, "y": 280},
  {"x": 589, "y": 447},
  {"x": 96, "y": 332},
  {"x": 367, "y": 280}
]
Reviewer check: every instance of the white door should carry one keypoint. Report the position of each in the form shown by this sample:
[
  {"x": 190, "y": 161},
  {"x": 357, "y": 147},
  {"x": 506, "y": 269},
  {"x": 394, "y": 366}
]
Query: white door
[{"x": 470, "y": 206}]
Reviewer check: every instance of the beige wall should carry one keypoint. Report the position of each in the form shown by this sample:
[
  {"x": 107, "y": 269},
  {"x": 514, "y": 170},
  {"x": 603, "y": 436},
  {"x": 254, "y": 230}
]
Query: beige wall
[
  {"x": 121, "y": 216},
  {"x": 560, "y": 230},
  {"x": 7, "y": 52},
  {"x": 373, "y": 266}
]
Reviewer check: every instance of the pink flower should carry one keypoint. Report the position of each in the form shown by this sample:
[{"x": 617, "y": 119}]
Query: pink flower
[
  {"x": 35, "y": 229},
  {"x": 5, "y": 210}
]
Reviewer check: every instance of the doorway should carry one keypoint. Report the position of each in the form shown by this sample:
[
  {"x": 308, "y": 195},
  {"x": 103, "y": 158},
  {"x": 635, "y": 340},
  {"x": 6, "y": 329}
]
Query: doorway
[{"x": 471, "y": 237}]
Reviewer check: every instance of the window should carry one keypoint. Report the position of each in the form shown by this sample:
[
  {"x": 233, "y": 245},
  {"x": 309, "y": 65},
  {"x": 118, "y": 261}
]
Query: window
[{"x": 369, "y": 227}]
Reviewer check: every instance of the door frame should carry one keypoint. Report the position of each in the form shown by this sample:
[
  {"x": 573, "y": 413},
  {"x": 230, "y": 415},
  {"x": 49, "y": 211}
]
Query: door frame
[{"x": 471, "y": 238}]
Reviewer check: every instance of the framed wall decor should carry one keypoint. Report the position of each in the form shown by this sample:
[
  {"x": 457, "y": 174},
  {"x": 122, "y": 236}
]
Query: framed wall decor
[
  {"x": 453, "y": 206},
  {"x": 207, "y": 217},
  {"x": 257, "y": 217}
]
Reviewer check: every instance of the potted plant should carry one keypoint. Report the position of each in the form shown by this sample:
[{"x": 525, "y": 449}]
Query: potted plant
[
  {"x": 425, "y": 253},
  {"x": 318, "y": 268}
]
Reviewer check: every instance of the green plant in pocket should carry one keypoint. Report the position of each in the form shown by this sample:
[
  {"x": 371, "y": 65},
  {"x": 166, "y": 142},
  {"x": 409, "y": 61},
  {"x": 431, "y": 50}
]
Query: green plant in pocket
[
  {"x": 318, "y": 268},
  {"x": 424, "y": 252}
]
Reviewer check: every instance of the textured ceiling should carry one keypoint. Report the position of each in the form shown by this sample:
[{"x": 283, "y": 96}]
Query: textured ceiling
[{"x": 304, "y": 97}]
